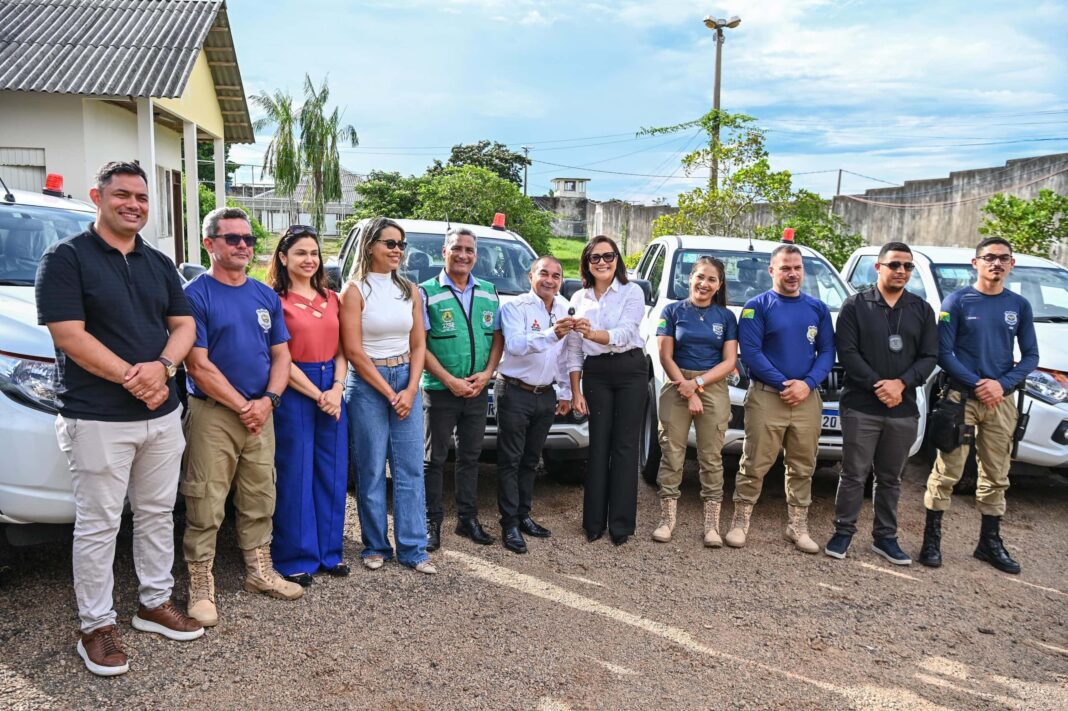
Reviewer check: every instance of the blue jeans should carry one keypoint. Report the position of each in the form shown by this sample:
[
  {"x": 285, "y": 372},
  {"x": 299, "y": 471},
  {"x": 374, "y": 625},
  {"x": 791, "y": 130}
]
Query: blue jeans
[{"x": 376, "y": 434}]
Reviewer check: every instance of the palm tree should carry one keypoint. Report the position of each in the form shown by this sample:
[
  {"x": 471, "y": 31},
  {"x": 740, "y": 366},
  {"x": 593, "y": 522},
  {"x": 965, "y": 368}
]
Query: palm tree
[{"x": 315, "y": 157}]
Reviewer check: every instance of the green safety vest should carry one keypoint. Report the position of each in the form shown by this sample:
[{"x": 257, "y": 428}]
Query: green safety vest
[{"x": 461, "y": 343}]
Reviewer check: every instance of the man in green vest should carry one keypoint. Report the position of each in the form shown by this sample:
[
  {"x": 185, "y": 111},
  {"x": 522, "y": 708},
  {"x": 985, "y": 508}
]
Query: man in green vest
[{"x": 464, "y": 345}]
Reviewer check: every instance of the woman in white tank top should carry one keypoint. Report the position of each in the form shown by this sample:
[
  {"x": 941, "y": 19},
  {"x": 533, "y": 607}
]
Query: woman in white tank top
[{"x": 384, "y": 341}]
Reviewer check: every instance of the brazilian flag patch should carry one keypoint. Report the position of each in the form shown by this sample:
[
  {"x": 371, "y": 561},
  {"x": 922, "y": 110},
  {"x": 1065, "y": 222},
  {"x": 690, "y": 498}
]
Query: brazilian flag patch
[
  {"x": 943, "y": 317},
  {"x": 748, "y": 313},
  {"x": 662, "y": 323}
]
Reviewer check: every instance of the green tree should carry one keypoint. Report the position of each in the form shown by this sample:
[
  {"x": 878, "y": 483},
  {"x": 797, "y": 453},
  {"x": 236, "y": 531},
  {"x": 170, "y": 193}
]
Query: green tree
[
  {"x": 816, "y": 227},
  {"x": 390, "y": 194},
  {"x": 745, "y": 179},
  {"x": 305, "y": 145},
  {"x": 472, "y": 194},
  {"x": 493, "y": 156},
  {"x": 1030, "y": 226},
  {"x": 206, "y": 163}
]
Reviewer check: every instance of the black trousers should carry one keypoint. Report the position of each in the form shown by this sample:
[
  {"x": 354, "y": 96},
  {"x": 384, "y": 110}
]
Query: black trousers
[
  {"x": 444, "y": 413},
  {"x": 615, "y": 388},
  {"x": 523, "y": 422}
]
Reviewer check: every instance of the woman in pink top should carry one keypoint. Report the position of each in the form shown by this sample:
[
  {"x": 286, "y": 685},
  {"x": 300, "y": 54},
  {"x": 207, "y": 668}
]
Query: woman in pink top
[{"x": 311, "y": 449}]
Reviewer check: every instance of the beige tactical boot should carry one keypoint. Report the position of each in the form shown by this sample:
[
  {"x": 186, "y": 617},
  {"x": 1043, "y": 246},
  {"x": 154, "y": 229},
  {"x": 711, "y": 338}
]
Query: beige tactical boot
[
  {"x": 712, "y": 539},
  {"x": 202, "y": 593},
  {"x": 260, "y": 575},
  {"x": 667, "y": 520},
  {"x": 797, "y": 530},
  {"x": 735, "y": 537}
]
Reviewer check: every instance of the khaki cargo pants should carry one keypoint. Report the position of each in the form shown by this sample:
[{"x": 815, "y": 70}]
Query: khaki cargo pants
[
  {"x": 993, "y": 442},
  {"x": 220, "y": 454},
  {"x": 770, "y": 426},
  {"x": 711, "y": 426}
]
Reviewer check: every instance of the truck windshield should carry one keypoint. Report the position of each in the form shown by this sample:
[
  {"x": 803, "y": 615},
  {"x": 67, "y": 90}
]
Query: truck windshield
[
  {"x": 25, "y": 234},
  {"x": 503, "y": 262},
  {"x": 1046, "y": 288},
  {"x": 747, "y": 276}
]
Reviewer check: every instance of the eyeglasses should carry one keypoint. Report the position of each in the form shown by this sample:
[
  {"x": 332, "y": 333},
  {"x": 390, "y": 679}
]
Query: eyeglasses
[
  {"x": 999, "y": 258},
  {"x": 393, "y": 244},
  {"x": 233, "y": 239},
  {"x": 894, "y": 266},
  {"x": 607, "y": 258},
  {"x": 300, "y": 231}
]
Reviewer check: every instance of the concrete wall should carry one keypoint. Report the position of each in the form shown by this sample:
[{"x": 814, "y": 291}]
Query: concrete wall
[{"x": 631, "y": 226}]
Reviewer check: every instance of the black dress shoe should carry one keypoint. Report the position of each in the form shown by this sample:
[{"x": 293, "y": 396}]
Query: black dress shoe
[
  {"x": 301, "y": 579},
  {"x": 341, "y": 570},
  {"x": 433, "y": 535},
  {"x": 532, "y": 528},
  {"x": 591, "y": 537},
  {"x": 620, "y": 539},
  {"x": 471, "y": 528},
  {"x": 513, "y": 540}
]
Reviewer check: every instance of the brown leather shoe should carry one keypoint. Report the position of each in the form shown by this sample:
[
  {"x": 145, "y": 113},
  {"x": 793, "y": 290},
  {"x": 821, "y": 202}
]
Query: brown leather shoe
[
  {"x": 102, "y": 652},
  {"x": 168, "y": 621}
]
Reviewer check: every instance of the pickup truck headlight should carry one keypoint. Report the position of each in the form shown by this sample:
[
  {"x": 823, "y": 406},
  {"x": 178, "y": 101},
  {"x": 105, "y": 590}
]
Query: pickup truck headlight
[
  {"x": 30, "y": 382},
  {"x": 1047, "y": 386}
]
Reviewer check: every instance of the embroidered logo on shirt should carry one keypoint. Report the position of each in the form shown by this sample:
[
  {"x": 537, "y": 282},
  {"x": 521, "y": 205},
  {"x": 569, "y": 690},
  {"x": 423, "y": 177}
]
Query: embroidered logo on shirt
[
  {"x": 1011, "y": 318},
  {"x": 264, "y": 317},
  {"x": 662, "y": 323},
  {"x": 811, "y": 335},
  {"x": 535, "y": 326},
  {"x": 447, "y": 321},
  {"x": 748, "y": 313},
  {"x": 487, "y": 318},
  {"x": 717, "y": 328},
  {"x": 943, "y": 317}
]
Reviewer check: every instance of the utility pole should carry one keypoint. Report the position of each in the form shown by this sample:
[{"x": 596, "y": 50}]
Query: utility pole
[
  {"x": 526, "y": 154},
  {"x": 837, "y": 192},
  {"x": 717, "y": 25}
]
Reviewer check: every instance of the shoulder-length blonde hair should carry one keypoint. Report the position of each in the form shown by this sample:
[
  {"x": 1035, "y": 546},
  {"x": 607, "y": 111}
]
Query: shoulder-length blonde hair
[{"x": 370, "y": 234}]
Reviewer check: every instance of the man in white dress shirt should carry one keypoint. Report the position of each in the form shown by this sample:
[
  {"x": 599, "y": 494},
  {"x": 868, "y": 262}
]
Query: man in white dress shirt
[{"x": 535, "y": 330}]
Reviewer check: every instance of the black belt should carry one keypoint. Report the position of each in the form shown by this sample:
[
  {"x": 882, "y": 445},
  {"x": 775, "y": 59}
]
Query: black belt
[
  {"x": 632, "y": 351},
  {"x": 536, "y": 389}
]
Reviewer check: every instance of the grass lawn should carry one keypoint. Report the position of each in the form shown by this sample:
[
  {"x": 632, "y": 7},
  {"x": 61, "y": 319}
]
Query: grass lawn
[{"x": 568, "y": 251}]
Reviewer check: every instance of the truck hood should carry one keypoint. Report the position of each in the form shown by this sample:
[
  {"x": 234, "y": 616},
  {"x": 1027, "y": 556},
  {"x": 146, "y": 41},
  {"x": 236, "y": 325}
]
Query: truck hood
[
  {"x": 1052, "y": 355},
  {"x": 19, "y": 332}
]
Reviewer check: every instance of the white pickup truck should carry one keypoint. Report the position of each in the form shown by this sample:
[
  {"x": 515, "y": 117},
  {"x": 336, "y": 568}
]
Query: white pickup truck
[{"x": 666, "y": 265}]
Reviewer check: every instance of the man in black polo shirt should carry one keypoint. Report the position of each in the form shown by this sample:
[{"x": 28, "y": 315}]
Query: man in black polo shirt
[
  {"x": 120, "y": 323},
  {"x": 887, "y": 342}
]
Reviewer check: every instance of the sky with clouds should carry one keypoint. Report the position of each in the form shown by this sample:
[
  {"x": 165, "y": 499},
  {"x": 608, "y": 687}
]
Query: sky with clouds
[{"x": 887, "y": 90}]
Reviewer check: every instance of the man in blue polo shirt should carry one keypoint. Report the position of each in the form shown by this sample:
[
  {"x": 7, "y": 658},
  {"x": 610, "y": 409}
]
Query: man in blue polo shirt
[
  {"x": 787, "y": 343},
  {"x": 977, "y": 328},
  {"x": 115, "y": 309}
]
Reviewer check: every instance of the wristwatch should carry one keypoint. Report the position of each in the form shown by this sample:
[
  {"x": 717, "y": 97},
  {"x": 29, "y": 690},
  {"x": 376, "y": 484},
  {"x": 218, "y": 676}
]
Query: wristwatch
[
  {"x": 275, "y": 400},
  {"x": 700, "y": 381},
  {"x": 172, "y": 369}
]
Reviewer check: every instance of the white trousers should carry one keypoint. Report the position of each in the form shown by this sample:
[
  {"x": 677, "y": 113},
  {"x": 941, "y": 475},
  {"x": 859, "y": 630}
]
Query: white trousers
[{"x": 110, "y": 461}]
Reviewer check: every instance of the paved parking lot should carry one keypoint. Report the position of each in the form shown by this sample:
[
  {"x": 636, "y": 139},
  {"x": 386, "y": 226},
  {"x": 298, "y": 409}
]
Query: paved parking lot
[{"x": 574, "y": 625}]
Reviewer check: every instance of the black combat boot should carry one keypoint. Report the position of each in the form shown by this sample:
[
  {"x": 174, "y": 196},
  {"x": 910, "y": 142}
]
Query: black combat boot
[
  {"x": 433, "y": 535},
  {"x": 931, "y": 552},
  {"x": 991, "y": 549}
]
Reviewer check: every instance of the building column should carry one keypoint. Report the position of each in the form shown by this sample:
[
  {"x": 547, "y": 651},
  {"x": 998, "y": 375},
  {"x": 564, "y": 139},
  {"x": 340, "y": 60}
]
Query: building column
[
  {"x": 220, "y": 173},
  {"x": 192, "y": 193},
  {"x": 146, "y": 155}
]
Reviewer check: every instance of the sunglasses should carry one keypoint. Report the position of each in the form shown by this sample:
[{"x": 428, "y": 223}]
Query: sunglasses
[
  {"x": 393, "y": 244},
  {"x": 300, "y": 231},
  {"x": 894, "y": 266},
  {"x": 607, "y": 258},
  {"x": 991, "y": 258},
  {"x": 233, "y": 239}
]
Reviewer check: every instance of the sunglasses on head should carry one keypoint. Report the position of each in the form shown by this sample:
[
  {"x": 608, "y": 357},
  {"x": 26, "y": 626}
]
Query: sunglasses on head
[
  {"x": 300, "y": 231},
  {"x": 393, "y": 243},
  {"x": 233, "y": 239},
  {"x": 894, "y": 266},
  {"x": 607, "y": 258}
]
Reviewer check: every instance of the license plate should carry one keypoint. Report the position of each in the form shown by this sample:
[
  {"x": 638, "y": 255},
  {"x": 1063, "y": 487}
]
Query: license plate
[
  {"x": 491, "y": 409},
  {"x": 830, "y": 420}
]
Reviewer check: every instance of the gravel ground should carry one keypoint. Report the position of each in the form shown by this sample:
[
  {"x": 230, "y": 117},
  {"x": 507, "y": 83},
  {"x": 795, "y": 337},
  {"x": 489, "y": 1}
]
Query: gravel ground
[{"x": 576, "y": 625}]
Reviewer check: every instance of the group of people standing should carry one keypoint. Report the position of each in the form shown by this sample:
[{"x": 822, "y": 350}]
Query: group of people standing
[
  {"x": 888, "y": 344},
  {"x": 291, "y": 387}
]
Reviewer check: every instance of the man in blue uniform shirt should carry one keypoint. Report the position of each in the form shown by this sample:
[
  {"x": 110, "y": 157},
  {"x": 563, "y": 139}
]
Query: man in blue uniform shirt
[
  {"x": 787, "y": 343},
  {"x": 977, "y": 329}
]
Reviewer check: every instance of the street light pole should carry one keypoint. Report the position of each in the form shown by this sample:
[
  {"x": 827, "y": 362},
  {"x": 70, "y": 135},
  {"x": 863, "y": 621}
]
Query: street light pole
[
  {"x": 526, "y": 154},
  {"x": 717, "y": 25}
]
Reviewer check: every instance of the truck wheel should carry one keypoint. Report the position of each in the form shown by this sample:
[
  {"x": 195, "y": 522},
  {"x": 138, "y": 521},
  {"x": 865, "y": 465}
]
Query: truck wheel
[
  {"x": 649, "y": 444},
  {"x": 563, "y": 470}
]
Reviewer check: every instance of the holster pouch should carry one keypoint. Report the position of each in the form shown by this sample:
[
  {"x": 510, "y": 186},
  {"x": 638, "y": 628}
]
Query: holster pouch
[
  {"x": 946, "y": 426},
  {"x": 1022, "y": 418}
]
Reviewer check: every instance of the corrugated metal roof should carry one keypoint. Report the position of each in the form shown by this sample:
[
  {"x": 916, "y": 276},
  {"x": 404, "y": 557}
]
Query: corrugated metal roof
[{"x": 121, "y": 48}]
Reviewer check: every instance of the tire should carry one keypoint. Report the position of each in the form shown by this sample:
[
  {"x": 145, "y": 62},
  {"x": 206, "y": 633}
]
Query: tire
[
  {"x": 649, "y": 445},
  {"x": 565, "y": 470}
]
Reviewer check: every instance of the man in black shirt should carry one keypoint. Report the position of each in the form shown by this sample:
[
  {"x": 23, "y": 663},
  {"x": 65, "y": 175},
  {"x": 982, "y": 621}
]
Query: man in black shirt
[
  {"x": 887, "y": 342},
  {"x": 120, "y": 323}
]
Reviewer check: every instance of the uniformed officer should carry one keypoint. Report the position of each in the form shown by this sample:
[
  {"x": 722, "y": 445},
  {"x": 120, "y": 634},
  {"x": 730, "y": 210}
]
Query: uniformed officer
[
  {"x": 463, "y": 348},
  {"x": 787, "y": 343},
  {"x": 977, "y": 327},
  {"x": 535, "y": 327}
]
